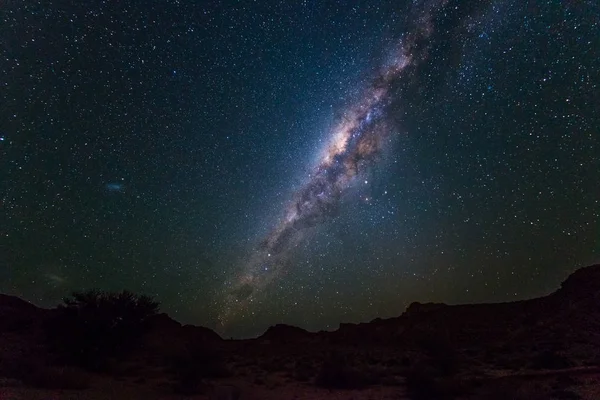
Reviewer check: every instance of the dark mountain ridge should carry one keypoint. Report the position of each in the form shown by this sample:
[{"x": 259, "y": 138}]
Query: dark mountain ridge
[
  {"x": 576, "y": 300},
  {"x": 456, "y": 345}
]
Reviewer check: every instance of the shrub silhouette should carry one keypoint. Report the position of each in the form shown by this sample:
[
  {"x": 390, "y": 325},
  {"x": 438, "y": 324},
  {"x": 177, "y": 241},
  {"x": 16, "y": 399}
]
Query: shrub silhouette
[{"x": 92, "y": 327}]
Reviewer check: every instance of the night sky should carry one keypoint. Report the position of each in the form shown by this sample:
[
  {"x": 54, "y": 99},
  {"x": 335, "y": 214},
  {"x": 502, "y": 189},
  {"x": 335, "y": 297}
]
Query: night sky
[{"x": 303, "y": 162}]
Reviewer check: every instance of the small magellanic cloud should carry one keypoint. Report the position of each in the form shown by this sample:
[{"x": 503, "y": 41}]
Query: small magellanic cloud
[{"x": 114, "y": 187}]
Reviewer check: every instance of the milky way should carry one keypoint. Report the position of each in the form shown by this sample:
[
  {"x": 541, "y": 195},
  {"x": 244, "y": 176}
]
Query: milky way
[{"x": 355, "y": 143}]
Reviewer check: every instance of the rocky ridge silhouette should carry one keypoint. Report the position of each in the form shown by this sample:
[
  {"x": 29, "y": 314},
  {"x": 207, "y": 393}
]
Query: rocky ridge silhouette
[{"x": 450, "y": 351}]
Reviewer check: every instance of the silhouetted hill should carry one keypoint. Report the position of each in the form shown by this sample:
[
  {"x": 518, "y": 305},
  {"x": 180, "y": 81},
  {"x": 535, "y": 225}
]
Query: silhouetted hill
[
  {"x": 15, "y": 304},
  {"x": 466, "y": 351},
  {"x": 283, "y": 333}
]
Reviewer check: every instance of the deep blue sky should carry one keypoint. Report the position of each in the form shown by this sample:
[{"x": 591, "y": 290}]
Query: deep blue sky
[{"x": 150, "y": 145}]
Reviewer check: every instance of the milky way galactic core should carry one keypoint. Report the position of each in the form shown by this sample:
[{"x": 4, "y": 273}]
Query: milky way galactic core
[{"x": 355, "y": 144}]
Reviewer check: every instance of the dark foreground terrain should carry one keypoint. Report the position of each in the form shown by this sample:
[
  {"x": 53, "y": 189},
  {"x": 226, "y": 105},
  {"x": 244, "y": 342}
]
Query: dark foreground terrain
[{"x": 545, "y": 348}]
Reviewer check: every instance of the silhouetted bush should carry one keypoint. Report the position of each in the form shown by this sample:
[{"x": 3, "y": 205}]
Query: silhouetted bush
[{"x": 92, "y": 327}]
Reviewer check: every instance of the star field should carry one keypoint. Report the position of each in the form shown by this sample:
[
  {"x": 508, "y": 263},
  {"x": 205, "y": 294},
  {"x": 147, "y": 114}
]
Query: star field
[{"x": 157, "y": 145}]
